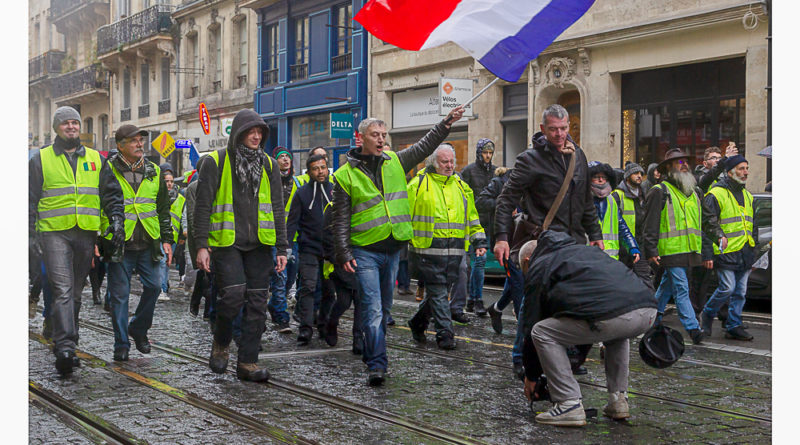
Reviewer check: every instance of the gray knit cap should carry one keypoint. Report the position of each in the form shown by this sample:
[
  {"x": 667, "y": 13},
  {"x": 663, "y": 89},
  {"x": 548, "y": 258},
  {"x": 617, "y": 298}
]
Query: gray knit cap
[
  {"x": 632, "y": 168},
  {"x": 63, "y": 114}
]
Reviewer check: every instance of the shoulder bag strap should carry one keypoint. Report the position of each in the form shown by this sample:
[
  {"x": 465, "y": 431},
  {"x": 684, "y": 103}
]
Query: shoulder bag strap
[{"x": 561, "y": 193}]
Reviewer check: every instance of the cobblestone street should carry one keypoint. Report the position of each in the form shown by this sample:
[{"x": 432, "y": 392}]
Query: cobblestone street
[{"x": 318, "y": 394}]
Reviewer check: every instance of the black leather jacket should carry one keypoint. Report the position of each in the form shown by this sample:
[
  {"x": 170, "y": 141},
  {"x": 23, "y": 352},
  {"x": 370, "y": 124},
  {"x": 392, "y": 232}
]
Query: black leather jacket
[
  {"x": 342, "y": 209},
  {"x": 535, "y": 180}
]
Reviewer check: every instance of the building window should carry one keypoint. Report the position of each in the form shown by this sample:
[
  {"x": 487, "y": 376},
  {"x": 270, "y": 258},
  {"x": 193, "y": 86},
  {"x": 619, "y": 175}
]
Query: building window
[
  {"x": 269, "y": 74},
  {"x": 126, "y": 89},
  {"x": 144, "y": 85},
  {"x": 123, "y": 8},
  {"x": 165, "y": 79},
  {"x": 342, "y": 58},
  {"x": 241, "y": 29},
  {"x": 695, "y": 107},
  {"x": 193, "y": 62},
  {"x": 104, "y": 131},
  {"x": 301, "y": 39},
  {"x": 216, "y": 48}
]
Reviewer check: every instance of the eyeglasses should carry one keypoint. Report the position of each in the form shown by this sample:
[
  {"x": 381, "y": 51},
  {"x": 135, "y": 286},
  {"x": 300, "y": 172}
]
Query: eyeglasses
[
  {"x": 715, "y": 158},
  {"x": 139, "y": 140}
]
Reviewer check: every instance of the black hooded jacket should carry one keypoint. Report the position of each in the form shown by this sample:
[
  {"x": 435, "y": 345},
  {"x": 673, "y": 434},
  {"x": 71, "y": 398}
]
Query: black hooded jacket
[
  {"x": 533, "y": 185},
  {"x": 245, "y": 206},
  {"x": 573, "y": 280},
  {"x": 478, "y": 175}
]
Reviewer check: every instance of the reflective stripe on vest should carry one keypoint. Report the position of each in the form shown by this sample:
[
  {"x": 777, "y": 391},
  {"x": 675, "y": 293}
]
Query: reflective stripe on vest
[
  {"x": 69, "y": 199},
  {"x": 679, "y": 231},
  {"x": 377, "y": 214},
  {"x": 628, "y": 210},
  {"x": 139, "y": 205},
  {"x": 610, "y": 228},
  {"x": 735, "y": 220},
  {"x": 222, "y": 231},
  {"x": 175, "y": 213}
]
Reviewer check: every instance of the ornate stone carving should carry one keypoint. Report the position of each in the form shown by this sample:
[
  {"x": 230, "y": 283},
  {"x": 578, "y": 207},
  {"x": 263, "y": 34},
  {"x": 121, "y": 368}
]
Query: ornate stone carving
[
  {"x": 537, "y": 77},
  {"x": 559, "y": 70},
  {"x": 585, "y": 61}
]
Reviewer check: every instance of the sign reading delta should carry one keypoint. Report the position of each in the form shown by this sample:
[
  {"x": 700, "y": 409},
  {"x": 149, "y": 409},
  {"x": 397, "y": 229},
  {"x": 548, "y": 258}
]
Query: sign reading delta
[{"x": 205, "y": 120}]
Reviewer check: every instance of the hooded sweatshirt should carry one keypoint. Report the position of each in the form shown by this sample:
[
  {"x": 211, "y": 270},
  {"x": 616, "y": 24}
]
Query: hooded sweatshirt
[
  {"x": 245, "y": 205},
  {"x": 306, "y": 216},
  {"x": 478, "y": 175}
]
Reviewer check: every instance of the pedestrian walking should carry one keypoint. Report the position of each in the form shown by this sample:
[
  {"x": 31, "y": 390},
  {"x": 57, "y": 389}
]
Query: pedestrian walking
[
  {"x": 630, "y": 198},
  {"x": 728, "y": 220},
  {"x": 239, "y": 215},
  {"x": 615, "y": 229},
  {"x": 306, "y": 220},
  {"x": 372, "y": 222},
  {"x": 65, "y": 196},
  {"x": 147, "y": 232},
  {"x": 176, "y": 210},
  {"x": 477, "y": 175},
  {"x": 672, "y": 237},
  {"x": 443, "y": 217},
  {"x": 576, "y": 294}
]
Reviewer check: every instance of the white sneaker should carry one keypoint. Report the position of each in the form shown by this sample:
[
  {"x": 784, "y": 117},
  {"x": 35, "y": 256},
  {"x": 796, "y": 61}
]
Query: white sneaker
[
  {"x": 617, "y": 407},
  {"x": 163, "y": 296},
  {"x": 568, "y": 413}
]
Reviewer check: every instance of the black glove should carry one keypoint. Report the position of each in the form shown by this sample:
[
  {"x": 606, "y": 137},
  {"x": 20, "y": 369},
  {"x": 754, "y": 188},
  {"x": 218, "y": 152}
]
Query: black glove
[{"x": 117, "y": 229}]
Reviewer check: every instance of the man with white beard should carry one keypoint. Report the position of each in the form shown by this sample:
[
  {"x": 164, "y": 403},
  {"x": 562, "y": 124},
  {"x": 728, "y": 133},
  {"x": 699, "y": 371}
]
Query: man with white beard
[
  {"x": 728, "y": 221},
  {"x": 672, "y": 237}
]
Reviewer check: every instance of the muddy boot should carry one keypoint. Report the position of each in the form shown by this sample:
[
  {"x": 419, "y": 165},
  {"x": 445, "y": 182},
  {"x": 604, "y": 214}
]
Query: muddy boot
[
  {"x": 331, "y": 334},
  {"x": 250, "y": 372},
  {"x": 96, "y": 296},
  {"x": 219, "y": 358},
  {"x": 420, "y": 293}
]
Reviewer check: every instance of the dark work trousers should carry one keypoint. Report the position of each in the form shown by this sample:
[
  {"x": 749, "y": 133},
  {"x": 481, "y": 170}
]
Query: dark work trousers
[
  {"x": 180, "y": 258},
  {"x": 203, "y": 285},
  {"x": 67, "y": 257},
  {"x": 242, "y": 279},
  {"x": 346, "y": 292},
  {"x": 641, "y": 268},
  {"x": 700, "y": 281},
  {"x": 309, "y": 276}
]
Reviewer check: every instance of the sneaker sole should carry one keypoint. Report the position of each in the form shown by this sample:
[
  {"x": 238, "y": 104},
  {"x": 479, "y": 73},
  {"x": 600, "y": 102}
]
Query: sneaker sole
[
  {"x": 561, "y": 422},
  {"x": 617, "y": 416}
]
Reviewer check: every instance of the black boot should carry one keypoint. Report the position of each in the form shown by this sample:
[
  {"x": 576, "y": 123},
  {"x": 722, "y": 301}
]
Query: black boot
[
  {"x": 497, "y": 318},
  {"x": 331, "y": 334},
  {"x": 64, "y": 362},
  {"x": 480, "y": 311},
  {"x": 218, "y": 362},
  {"x": 358, "y": 344},
  {"x": 445, "y": 340},
  {"x": 251, "y": 372},
  {"x": 304, "y": 336}
]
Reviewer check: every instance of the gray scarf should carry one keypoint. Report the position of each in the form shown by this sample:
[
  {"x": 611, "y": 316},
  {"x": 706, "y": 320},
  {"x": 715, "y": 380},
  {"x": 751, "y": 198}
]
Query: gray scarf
[
  {"x": 249, "y": 165},
  {"x": 601, "y": 191}
]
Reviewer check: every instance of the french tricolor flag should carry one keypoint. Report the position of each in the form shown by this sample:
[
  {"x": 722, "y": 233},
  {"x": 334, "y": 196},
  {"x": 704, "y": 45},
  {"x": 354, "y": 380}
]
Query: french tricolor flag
[{"x": 503, "y": 35}]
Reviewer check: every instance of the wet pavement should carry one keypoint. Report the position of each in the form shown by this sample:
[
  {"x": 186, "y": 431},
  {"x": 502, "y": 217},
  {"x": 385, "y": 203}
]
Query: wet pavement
[{"x": 720, "y": 392}]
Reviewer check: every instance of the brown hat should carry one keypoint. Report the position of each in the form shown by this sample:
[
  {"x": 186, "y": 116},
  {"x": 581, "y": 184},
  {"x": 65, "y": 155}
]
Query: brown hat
[
  {"x": 672, "y": 154},
  {"x": 128, "y": 131}
]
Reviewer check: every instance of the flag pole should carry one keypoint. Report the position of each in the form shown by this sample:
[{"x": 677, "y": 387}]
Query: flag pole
[{"x": 481, "y": 92}]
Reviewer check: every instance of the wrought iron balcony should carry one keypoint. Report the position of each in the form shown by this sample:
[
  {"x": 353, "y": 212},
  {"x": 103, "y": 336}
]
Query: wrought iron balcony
[
  {"x": 152, "y": 21},
  {"x": 341, "y": 63},
  {"x": 85, "y": 79},
  {"x": 47, "y": 64},
  {"x": 163, "y": 106},
  {"x": 269, "y": 77},
  {"x": 298, "y": 72},
  {"x": 144, "y": 111},
  {"x": 125, "y": 114}
]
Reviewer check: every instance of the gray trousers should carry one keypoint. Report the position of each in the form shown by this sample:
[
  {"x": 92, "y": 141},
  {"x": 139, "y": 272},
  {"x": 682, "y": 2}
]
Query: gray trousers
[
  {"x": 458, "y": 291},
  {"x": 67, "y": 258},
  {"x": 435, "y": 304},
  {"x": 552, "y": 335}
]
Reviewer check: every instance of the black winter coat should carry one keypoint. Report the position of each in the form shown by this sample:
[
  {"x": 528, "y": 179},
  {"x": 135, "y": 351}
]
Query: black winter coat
[
  {"x": 478, "y": 175},
  {"x": 486, "y": 201},
  {"x": 308, "y": 222},
  {"x": 573, "y": 280},
  {"x": 534, "y": 183},
  {"x": 342, "y": 209},
  {"x": 655, "y": 202},
  {"x": 245, "y": 206}
]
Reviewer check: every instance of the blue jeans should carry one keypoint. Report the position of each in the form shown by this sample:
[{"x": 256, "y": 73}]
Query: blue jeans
[
  {"x": 277, "y": 289},
  {"x": 732, "y": 286},
  {"x": 476, "y": 276},
  {"x": 512, "y": 289},
  {"x": 516, "y": 351},
  {"x": 675, "y": 284},
  {"x": 119, "y": 283},
  {"x": 376, "y": 273},
  {"x": 403, "y": 280},
  {"x": 165, "y": 269}
]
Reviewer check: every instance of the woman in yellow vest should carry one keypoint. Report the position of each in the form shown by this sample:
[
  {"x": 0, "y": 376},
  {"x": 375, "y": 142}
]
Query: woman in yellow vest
[
  {"x": 239, "y": 216},
  {"x": 614, "y": 227}
]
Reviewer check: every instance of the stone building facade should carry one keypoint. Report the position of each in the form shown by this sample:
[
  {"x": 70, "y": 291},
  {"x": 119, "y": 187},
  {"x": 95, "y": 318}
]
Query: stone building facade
[{"x": 638, "y": 77}]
